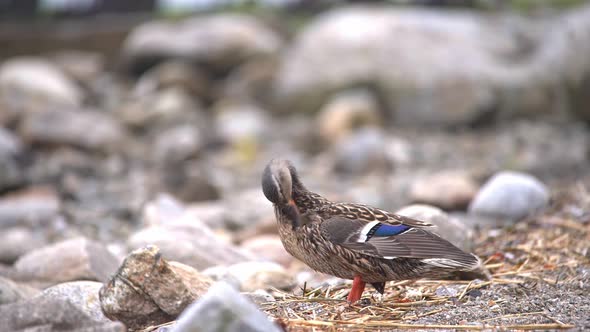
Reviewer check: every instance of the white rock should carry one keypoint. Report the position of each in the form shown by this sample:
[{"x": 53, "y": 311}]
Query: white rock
[
  {"x": 510, "y": 195},
  {"x": 35, "y": 78}
]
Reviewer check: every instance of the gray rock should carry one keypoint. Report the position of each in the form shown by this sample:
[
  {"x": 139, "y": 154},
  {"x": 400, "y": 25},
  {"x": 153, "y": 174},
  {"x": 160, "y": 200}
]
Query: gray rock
[
  {"x": 33, "y": 206},
  {"x": 451, "y": 229},
  {"x": 239, "y": 122},
  {"x": 247, "y": 208},
  {"x": 17, "y": 241},
  {"x": 450, "y": 190},
  {"x": 361, "y": 152},
  {"x": 182, "y": 237},
  {"x": 333, "y": 53},
  {"x": 82, "y": 294},
  {"x": 88, "y": 129},
  {"x": 173, "y": 75},
  {"x": 79, "y": 259},
  {"x": 250, "y": 276},
  {"x": 211, "y": 213},
  {"x": 510, "y": 196},
  {"x": 11, "y": 291},
  {"x": 83, "y": 66},
  {"x": 218, "y": 40},
  {"x": 268, "y": 247},
  {"x": 178, "y": 143},
  {"x": 148, "y": 290},
  {"x": 162, "y": 109},
  {"x": 11, "y": 148},
  {"x": 35, "y": 82},
  {"x": 224, "y": 309},
  {"x": 44, "y": 313}
]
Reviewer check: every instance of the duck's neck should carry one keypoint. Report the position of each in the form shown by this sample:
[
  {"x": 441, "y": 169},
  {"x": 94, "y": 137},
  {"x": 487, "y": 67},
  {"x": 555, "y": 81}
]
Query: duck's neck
[{"x": 305, "y": 199}]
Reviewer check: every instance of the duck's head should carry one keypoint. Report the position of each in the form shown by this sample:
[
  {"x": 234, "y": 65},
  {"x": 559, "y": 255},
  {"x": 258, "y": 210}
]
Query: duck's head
[
  {"x": 277, "y": 182},
  {"x": 278, "y": 179}
]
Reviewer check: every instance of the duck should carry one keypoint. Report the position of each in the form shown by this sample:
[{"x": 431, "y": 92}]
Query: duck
[{"x": 356, "y": 241}]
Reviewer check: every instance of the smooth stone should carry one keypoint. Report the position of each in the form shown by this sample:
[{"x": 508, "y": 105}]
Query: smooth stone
[
  {"x": 175, "y": 74},
  {"x": 149, "y": 290},
  {"x": 83, "y": 66},
  {"x": 268, "y": 247},
  {"x": 237, "y": 122},
  {"x": 247, "y": 208},
  {"x": 34, "y": 80},
  {"x": 182, "y": 237},
  {"x": 231, "y": 39},
  {"x": 362, "y": 151},
  {"x": 359, "y": 45},
  {"x": 224, "y": 309},
  {"x": 250, "y": 276},
  {"x": 84, "y": 128},
  {"x": 11, "y": 291},
  {"x": 449, "y": 190},
  {"x": 17, "y": 241},
  {"x": 11, "y": 151},
  {"x": 177, "y": 144},
  {"x": 511, "y": 196},
  {"x": 162, "y": 109},
  {"x": 44, "y": 313},
  {"x": 33, "y": 206},
  {"x": 79, "y": 259},
  {"x": 450, "y": 229},
  {"x": 346, "y": 112}
]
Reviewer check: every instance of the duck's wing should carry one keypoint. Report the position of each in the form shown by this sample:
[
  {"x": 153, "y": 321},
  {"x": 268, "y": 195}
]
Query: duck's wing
[{"x": 393, "y": 239}]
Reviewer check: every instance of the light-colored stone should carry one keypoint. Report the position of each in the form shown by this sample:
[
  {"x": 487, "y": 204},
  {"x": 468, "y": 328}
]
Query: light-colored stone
[
  {"x": 79, "y": 259},
  {"x": 449, "y": 190},
  {"x": 510, "y": 196},
  {"x": 148, "y": 290},
  {"x": 224, "y": 309},
  {"x": 178, "y": 143},
  {"x": 32, "y": 80},
  {"x": 247, "y": 208},
  {"x": 11, "y": 291},
  {"x": 89, "y": 129},
  {"x": 45, "y": 313},
  {"x": 362, "y": 151},
  {"x": 250, "y": 276},
  {"x": 346, "y": 112},
  {"x": 450, "y": 229},
  {"x": 406, "y": 54},
  {"x": 268, "y": 247},
  {"x": 182, "y": 237},
  {"x": 221, "y": 41},
  {"x": 81, "y": 65},
  {"x": 33, "y": 206},
  {"x": 17, "y": 241}
]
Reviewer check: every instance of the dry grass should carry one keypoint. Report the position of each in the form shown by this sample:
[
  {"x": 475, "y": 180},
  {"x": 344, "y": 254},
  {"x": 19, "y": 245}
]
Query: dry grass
[{"x": 547, "y": 250}]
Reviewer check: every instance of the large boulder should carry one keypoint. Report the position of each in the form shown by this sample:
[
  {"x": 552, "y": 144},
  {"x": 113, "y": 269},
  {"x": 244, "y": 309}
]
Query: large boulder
[
  {"x": 32, "y": 83},
  {"x": 437, "y": 67},
  {"x": 221, "y": 41}
]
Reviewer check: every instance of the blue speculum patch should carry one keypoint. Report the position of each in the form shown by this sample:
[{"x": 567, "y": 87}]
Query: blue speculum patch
[{"x": 389, "y": 230}]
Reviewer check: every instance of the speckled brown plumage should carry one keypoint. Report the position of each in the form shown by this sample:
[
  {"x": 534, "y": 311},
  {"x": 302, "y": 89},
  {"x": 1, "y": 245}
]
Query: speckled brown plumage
[{"x": 355, "y": 241}]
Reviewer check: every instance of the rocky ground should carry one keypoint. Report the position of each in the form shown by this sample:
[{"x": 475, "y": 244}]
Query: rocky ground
[{"x": 130, "y": 196}]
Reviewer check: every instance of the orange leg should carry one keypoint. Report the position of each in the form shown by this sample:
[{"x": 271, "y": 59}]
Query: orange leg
[{"x": 358, "y": 286}]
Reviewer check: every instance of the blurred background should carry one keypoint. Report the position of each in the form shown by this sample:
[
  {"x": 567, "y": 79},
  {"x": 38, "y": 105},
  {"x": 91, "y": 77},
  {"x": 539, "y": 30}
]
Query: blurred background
[{"x": 118, "y": 116}]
